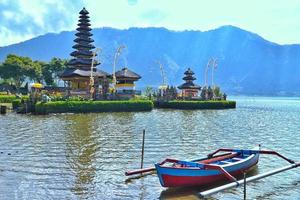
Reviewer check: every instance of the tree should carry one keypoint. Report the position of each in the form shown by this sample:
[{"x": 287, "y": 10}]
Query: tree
[
  {"x": 51, "y": 70},
  {"x": 19, "y": 68},
  {"x": 11, "y": 67},
  {"x": 36, "y": 71},
  {"x": 149, "y": 91},
  {"x": 210, "y": 93},
  {"x": 167, "y": 95},
  {"x": 47, "y": 74},
  {"x": 204, "y": 93},
  {"x": 217, "y": 91},
  {"x": 173, "y": 92},
  {"x": 154, "y": 94},
  {"x": 224, "y": 96}
]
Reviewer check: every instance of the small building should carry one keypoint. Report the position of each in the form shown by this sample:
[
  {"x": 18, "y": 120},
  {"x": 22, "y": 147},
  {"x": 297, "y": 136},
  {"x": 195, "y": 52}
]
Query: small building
[
  {"x": 125, "y": 86},
  {"x": 81, "y": 79},
  {"x": 189, "y": 89}
]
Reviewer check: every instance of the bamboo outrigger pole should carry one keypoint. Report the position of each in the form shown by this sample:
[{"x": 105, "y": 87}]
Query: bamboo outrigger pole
[{"x": 250, "y": 179}]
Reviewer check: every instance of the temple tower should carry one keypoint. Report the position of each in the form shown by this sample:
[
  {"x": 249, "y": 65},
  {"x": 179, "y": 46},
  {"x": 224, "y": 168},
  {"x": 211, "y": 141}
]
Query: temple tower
[
  {"x": 189, "y": 88},
  {"x": 82, "y": 78},
  {"x": 83, "y": 48}
]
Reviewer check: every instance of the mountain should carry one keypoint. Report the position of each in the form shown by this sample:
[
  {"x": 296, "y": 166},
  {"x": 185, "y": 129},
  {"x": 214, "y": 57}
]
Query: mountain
[{"x": 247, "y": 63}]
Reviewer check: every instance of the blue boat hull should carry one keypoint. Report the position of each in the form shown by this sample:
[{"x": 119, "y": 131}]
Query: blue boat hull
[{"x": 174, "y": 176}]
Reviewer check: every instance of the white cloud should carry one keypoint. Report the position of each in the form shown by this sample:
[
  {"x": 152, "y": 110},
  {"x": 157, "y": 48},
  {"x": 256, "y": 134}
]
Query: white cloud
[
  {"x": 22, "y": 19},
  {"x": 277, "y": 22},
  {"x": 8, "y": 15},
  {"x": 8, "y": 37},
  {"x": 34, "y": 9}
]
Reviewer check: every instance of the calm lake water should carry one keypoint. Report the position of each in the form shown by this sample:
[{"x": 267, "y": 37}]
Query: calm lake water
[{"x": 84, "y": 156}]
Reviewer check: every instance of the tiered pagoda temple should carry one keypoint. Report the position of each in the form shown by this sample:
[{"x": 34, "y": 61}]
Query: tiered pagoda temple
[
  {"x": 125, "y": 86},
  {"x": 189, "y": 88},
  {"x": 79, "y": 71}
]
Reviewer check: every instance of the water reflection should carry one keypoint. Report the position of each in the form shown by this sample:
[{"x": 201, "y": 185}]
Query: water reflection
[{"x": 80, "y": 153}]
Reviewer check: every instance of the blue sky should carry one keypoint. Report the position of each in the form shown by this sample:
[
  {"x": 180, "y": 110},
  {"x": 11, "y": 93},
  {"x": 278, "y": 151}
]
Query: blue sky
[{"x": 275, "y": 20}]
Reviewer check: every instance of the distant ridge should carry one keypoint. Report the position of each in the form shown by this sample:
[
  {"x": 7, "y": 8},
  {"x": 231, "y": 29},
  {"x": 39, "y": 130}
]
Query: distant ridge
[{"x": 248, "y": 63}]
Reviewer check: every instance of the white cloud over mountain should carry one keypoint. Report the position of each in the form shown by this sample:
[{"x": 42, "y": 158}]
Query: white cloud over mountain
[{"x": 24, "y": 19}]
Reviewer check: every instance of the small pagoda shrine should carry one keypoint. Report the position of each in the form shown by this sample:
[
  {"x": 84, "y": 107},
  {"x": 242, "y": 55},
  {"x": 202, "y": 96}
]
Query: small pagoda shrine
[
  {"x": 189, "y": 88},
  {"x": 81, "y": 76},
  {"x": 125, "y": 86}
]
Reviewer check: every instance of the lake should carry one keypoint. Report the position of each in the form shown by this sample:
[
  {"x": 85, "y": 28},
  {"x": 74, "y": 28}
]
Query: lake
[{"x": 84, "y": 156}]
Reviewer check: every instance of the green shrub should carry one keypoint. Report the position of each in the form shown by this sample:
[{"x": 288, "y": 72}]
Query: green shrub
[
  {"x": 140, "y": 97},
  {"x": 3, "y": 93},
  {"x": 92, "y": 106},
  {"x": 196, "y": 104},
  {"x": 57, "y": 98},
  {"x": 16, "y": 103},
  {"x": 7, "y": 98},
  {"x": 75, "y": 98},
  {"x": 10, "y": 98}
]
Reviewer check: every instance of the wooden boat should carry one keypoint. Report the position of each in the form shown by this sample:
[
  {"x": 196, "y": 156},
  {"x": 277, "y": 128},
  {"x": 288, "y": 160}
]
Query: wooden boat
[
  {"x": 215, "y": 167},
  {"x": 175, "y": 173}
]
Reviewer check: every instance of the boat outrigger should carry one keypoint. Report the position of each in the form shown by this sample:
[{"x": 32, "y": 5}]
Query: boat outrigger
[{"x": 211, "y": 169}]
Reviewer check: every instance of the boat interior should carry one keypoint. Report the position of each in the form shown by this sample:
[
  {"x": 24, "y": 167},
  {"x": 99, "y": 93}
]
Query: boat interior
[{"x": 222, "y": 159}]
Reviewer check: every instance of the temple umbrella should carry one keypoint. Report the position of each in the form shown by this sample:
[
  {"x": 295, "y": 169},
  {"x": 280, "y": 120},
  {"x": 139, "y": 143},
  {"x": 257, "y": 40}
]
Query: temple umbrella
[{"x": 37, "y": 85}]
